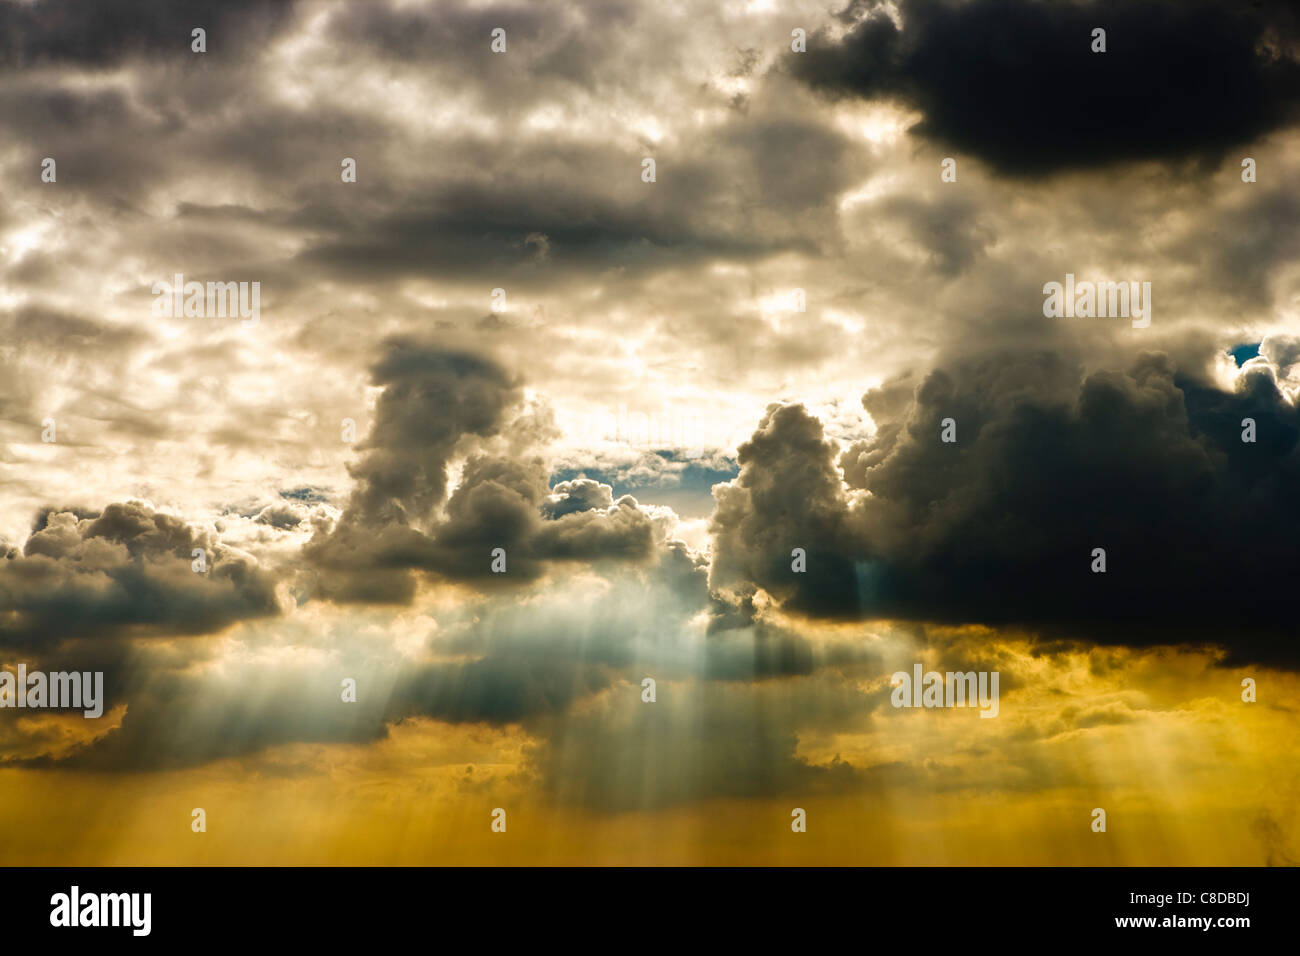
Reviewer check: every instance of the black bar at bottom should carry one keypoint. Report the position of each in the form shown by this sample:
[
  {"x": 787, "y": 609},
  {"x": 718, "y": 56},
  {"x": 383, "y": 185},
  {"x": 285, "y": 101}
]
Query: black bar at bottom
[{"x": 581, "y": 907}]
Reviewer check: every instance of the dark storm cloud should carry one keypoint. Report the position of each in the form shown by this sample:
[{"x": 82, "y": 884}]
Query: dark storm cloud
[
  {"x": 999, "y": 527},
  {"x": 125, "y": 572},
  {"x": 400, "y": 518},
  {"x": 103, "y": 33},
  {"x": 1146, "y": 463},
  {"x": 1014, "y": 82}
]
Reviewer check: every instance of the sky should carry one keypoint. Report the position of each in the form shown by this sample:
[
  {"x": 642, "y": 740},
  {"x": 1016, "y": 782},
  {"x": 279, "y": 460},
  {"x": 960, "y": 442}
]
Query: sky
[{"x": 705, "y": 343}]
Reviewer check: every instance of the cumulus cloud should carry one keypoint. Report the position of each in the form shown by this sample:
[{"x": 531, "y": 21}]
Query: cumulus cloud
[
  {"x": 998, "y": 527},
  {"x": 124, "y": 572},
  {"x": 401, "y": 518},
  {"x": 787, "y": 496}
]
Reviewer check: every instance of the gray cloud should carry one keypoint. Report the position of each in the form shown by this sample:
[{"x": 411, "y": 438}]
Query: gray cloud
[
  {"x": 400, "y": 517},
  {"x": 125, "y": 572},
  {"x": 68, "y": 33}
]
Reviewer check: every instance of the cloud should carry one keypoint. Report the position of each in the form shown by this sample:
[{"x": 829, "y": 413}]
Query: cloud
[
  {"x": 525, "y": 660},
  {"x": 786, "y": 496},
  {"x": 282, "y": 516},
  {"x": 124, "y": 572},
  {"x": 580, "y": 494},
  {"x": 400, "y": 517},
  {"x": 104, "y": 34},
  {"x": 1017, "y": 85},
  {"x": 999, "y": 527},
  {"x": 431, "y": 399}
]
